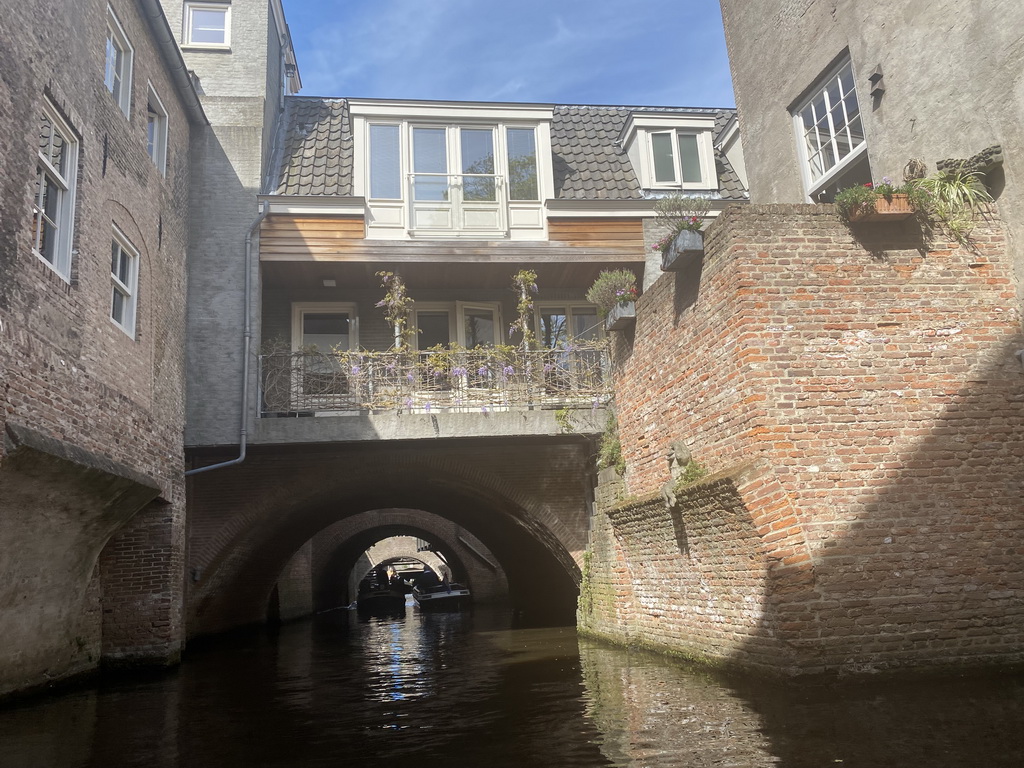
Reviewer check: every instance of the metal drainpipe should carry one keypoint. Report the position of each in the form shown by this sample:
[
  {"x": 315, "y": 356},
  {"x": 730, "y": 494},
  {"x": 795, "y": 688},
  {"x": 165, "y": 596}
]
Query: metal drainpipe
[{"x": 243, "y": 432}]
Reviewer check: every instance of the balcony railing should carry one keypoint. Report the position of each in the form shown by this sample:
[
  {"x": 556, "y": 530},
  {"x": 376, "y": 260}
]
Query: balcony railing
[{"x": 477, "y": 380}]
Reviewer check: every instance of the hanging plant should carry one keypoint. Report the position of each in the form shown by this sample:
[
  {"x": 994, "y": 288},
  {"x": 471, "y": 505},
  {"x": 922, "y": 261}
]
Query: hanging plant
[{"x": 396, "y": 305}]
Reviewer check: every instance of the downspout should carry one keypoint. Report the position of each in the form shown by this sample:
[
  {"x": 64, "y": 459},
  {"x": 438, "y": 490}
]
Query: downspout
[{"x": 243, "y": 432}]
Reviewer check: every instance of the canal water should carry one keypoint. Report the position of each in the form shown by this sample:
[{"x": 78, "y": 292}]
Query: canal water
[{"x": 470, "y": 691}]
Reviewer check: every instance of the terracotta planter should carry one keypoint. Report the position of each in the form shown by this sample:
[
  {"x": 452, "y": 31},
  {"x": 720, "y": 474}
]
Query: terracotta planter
[
  {"x": 686, "y": 247},
  {"x": 620, "y": 317},
  {"x": 891, "y": 208}
]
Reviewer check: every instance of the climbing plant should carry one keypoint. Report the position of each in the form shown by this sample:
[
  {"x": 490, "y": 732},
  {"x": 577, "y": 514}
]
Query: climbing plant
[
  {"x": 524, "y": 283},
  {"x": 396, "y": 305}
]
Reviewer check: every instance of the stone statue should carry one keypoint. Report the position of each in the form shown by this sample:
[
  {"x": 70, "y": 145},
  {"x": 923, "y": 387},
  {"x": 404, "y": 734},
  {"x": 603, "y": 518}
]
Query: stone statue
[{"x": 678, "y": 457}]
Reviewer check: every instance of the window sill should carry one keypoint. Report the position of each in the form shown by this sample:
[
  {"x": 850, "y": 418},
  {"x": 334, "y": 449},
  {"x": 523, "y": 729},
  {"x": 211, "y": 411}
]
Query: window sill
[{"x": 207, "y": 48}]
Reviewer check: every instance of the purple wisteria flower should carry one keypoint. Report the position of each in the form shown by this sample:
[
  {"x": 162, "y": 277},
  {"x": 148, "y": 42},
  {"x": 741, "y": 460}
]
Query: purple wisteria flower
[
  {"x": 548, "y": 367},
  {"x": 426, "y": 407},
  {"x": 408, "y": 402},
  {"x": 409, "y": 377},
  {"x": 356, "y": 370},
  {"x": 508, "y": 370},
  {"x": 482, "y": 370},
  {"x": 459, "y": 371}
]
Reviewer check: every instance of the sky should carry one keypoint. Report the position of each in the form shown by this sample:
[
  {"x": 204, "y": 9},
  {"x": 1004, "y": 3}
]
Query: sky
[{"x": 629, "y": 52}]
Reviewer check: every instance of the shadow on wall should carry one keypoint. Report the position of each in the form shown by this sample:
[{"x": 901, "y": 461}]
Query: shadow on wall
[{"x": 878, "y": 524}]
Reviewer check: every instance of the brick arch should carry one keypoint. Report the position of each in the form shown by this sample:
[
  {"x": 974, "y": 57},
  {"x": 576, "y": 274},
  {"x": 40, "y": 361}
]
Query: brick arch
[
  {"x": 336, "y": 550},
  {"x": 270, "y": 507}
]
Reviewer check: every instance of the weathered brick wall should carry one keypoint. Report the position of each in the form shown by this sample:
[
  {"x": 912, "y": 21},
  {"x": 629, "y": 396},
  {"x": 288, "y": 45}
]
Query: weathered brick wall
[
  {"x": 872, "y": 385},
  {"x": 66, "y": 371}
]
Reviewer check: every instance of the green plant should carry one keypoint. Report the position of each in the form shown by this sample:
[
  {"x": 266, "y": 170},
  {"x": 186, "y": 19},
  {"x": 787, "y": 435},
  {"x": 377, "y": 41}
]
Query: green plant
[
  {"x": 524, "y": 283},
  {"x": 609, "y": 452},
  {"x": 396, "y": 305},
  {"x": 564, "y": 420},
  {"x": 612, "y": 288},
  {"x": 678, "y": 213},
  {"x": 953, "y": 197},
  {"x": 864, "y": 197}
]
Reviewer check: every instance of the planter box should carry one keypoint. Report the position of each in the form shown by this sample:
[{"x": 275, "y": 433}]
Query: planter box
[
  {"x": 892, "y": 208},
  {"x": 620, "y": 317},
  {"x": 687, "y": 247}
]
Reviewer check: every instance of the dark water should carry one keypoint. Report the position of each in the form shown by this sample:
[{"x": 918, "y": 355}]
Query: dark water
[{"x": 455, "y": 691}]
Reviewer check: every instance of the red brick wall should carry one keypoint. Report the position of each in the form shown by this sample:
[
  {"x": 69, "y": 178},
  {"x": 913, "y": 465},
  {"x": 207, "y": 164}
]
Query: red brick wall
[{"x": 871, "y": 384}]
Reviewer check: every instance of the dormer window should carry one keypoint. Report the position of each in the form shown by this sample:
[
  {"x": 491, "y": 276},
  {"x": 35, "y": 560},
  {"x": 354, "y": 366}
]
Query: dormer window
[
  {"x": 671, "y": 151},
  {"x": 473, "y": 172}
]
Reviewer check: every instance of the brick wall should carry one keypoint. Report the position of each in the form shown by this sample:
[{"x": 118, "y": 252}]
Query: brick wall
[
  {"x": 859, "y": 395},
  {"x": 112, "y": 403}
]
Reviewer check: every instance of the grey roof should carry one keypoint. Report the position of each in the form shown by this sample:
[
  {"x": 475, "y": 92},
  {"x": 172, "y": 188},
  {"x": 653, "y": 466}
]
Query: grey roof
[
  {"x": 315, "y": 148},
  {"x": 315, "y": 151}
]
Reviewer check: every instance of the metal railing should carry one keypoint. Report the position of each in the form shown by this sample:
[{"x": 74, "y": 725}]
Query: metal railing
[{"x": 475, "y": 380}]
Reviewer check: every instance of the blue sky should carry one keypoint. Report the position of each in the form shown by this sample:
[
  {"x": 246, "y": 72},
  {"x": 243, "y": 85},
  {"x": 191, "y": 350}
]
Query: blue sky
[{"x": 642, "y": 52}]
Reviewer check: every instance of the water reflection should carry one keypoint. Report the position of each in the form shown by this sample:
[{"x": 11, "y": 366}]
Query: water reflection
[{"x": 459, "y": 690}]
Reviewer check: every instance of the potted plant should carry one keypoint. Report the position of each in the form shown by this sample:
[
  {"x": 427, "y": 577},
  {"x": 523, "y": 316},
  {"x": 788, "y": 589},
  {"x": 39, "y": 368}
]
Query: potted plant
[
  {"x": 953, "y": 197},
  {"x": 881, "y": 202},
  {"x": 684, "y": 218},
  {"x": 614, "y": 292}
]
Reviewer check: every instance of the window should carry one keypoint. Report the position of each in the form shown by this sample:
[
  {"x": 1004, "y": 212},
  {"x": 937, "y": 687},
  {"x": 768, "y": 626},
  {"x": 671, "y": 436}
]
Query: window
[
  {"x": 53, "y": 204},
  {"x": 829, "y": 129},
  {"x": 681, "y": 158},
  {"x": 124, "y": 279},
  {"x": 156, "y": 131},
  {"x": 452, "y": 178},
  {"x": 208, "y": 25},
  {"x": 558, "y": 323},
  {"x": 117, "y": 74},
  {"x": 470, "y": 325}
]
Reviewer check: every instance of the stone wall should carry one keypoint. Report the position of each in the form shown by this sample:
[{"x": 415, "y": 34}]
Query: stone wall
[
  {"x": 856, "y": 399},
  {"x": 91, "y": 417}
]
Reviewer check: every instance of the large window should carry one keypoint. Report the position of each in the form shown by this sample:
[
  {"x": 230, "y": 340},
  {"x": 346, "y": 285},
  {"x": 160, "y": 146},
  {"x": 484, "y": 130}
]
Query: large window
[
  {"x": 117, "y": 74},
  {"x": 470, "y": 325},
  {"x": 156, "y": 131},
  {"x": 829, "y": 127},
  {"x": 124, "y": 279},
  {"x": 54, "y": 200},
  {"x": 452, "y": 178},
  {"x": 207, "y": 25},
  {"x": 559, "y": 323}
]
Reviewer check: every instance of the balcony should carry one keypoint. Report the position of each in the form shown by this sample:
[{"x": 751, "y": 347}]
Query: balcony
[{"x": 486, "y": 380}]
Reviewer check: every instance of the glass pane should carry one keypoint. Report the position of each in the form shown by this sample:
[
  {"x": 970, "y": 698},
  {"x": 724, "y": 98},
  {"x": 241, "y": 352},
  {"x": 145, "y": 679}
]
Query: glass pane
[
  {"x": 45, "y": 131},
  {"x": 58, "y": 152},
  {"x": 479, "y": 327},
  {"x": 553, "y": 327},
  {"x": 325, "y": 331},
  {"x": 832, "y": 93},
  {"x": 385, "y": 163},
  {"x": 115, "y": 257},
  {"x": 664, "y": 166},
  {"x": 689, "y": 157},
  {"x": 585, "y": 324},
  {"x": 846, "y": 79},
  {"x": 477, "y": 157},
  {"x": 433, "y": 328},
  {"x": 151, "y": 134},
  {"x": 819, "y": 108},
  {"x": 430, "y": 188},
  {"x": 110, "y": 71},
  {"x": 856, "y": 132},
  {"x": 208, "y": 26},
  {"x": 807, "y": 117},
  {"x": 522, "y": 164},
  {"x": 430, "y": 154},
  {"x": 117, "y": 307}
]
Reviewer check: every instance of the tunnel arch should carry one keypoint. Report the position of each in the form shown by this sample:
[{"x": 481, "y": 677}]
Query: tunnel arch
[
  {"x": 338, "y": 547},
  {"x": 244, "y": 545}
]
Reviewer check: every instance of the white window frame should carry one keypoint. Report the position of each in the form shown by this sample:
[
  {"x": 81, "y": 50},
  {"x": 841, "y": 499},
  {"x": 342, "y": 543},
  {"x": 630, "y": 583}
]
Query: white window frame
[
  {"x": 119, "y": 84},
  {"x": 300, "y": 308},
  {"x": 65, "y": 183},
  {"x": 157, "y": 149},
  {"x": 457, "y": 318},
  {"x": 186, "y": 33},
  {"x": 129, "y": 291},
  {"x": 568, "y": 306},
  {"x": 820, "y": 88},
  {"x": 705, "y": 156}
]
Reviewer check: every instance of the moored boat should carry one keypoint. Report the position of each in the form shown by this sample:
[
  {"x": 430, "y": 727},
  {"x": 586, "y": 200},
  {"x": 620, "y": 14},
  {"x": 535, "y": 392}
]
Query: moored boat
[{"x": 439, "y": 597}]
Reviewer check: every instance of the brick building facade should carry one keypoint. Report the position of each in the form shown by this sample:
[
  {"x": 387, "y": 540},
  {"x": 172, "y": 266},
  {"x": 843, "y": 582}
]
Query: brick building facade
[
  {"x": 95, "y": 166},
  {"x": 856, "y": 398}
]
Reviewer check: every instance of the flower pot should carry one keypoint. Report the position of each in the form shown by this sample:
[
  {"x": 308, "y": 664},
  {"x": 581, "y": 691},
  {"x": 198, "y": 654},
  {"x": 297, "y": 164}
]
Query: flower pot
[
  {"x": 891, "y": 208},
  {"x": 620, "y": 317},
  {"x": 687, "y": 246}
]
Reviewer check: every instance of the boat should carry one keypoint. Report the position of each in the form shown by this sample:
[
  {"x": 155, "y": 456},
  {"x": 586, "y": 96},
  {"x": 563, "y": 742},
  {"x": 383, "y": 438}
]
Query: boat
[
  {"x": 380, "y": 594},
  {"x": 438, "y": 597}
]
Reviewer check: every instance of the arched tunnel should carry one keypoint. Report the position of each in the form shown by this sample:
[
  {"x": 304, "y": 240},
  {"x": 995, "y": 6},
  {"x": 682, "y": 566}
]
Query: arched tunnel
[{"x": 513, "y": 520}]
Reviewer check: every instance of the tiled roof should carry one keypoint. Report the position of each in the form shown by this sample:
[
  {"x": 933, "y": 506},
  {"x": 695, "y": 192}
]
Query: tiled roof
[
  {"x": 314, "y": 155},
  {"x": 315, "y": 148}
]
